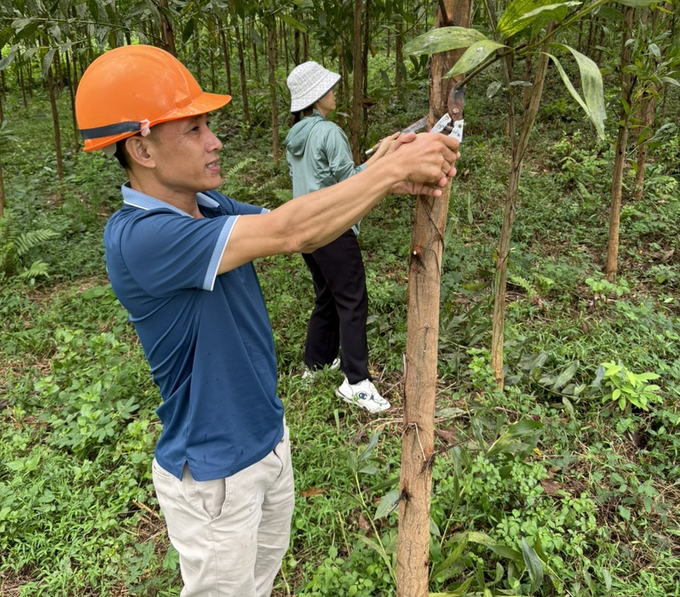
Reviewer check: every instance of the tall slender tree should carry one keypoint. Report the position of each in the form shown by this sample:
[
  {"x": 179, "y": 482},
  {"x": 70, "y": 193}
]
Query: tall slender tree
[{"x": 422, "y": 339}]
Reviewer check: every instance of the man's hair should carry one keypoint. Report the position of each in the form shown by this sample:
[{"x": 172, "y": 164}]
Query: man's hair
[{"x": 121, "y": 153}]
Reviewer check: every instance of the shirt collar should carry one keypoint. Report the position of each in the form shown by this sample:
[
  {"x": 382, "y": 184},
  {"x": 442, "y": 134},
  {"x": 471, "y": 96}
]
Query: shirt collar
[{"x": 140, "y": 200}]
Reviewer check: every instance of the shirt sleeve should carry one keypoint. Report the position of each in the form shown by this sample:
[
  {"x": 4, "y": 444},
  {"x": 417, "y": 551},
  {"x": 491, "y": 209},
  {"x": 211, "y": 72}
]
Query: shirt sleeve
[
  {"x": 231, "y": 206},
  {"x": 339, "y": 155},
  {"x": 167, "y": 252}
]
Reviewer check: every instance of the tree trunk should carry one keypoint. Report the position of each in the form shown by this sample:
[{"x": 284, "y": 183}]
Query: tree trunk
[
  {"x": 286, "y": 51},
  {"x": 242, "y": 70},
  {"x": 55, "y": 125},
  {"x": 296, "y": 47},
  {"x": 167, "y": 32},
  {"x": 2, "y": 180},
  {"x": 227, "y": 59},
  {"x": 620, "y": 150},
  {"x": 2, "y": 193},
  {"x": 519, "y": 147},
  {"x": 20, "y": 81},
  {"x": 271, "y": 58},
  {"x": 422, "y": 341},
  {"x": 72, "y": 96},
  {"x": 398, "y": 57},
  {"x": 647, "y": 117},
  {"x": 364, "y": 73},
  {"x": 357, "y": 84}
]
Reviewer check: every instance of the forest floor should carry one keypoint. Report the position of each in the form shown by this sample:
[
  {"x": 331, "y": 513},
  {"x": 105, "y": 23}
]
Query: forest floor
[{"x": 565, "y": 483}]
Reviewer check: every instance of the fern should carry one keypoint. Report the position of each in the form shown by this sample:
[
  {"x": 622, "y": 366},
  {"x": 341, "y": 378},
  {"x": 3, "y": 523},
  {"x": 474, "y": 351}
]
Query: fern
[
  {"x": 38, "y": 269},
  {"x": 239, "y": 167},
  {"x": 34, "y": 238},
  {"x": 522, "y": 283},
  {"x": 15, "y": 246}
]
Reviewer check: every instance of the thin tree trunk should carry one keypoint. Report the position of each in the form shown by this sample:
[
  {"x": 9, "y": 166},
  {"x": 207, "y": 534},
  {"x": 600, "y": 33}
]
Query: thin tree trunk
[
  {"x": 271, "y": 58},
  {"x": 422, "y": 340},
  {"x": 167, "y": 32},
  {"x": 357, "y": 84},
  {"x": 20, "y": 80},
  {"x": 364, "y": 73},
  {"x": 242, "y": 71},
  {"x": 286, "y": 51},
  {"x": 255, "y": 60},
  {"x": 296, "y": 47},
  {"x": 55, "y": 125},
  {"x": 72, "y": 96},
  {"x": 648, "y": 116},
  {"x": 519, "y": 147},
  {"x": 620, "y": 150},
  {"x": 2, "y": 193},
  {"x": 2, "y": 180},
  {"x": 227, "y": 59},
  {"x": 398, "y": 57}
]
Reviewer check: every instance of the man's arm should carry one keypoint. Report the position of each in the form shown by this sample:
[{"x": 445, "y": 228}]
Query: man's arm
[{"x": 423, "y": 162}]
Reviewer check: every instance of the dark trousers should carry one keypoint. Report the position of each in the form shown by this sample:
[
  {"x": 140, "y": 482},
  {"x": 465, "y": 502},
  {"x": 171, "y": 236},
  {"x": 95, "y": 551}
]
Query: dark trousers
[{"x": 338, "y": 319}]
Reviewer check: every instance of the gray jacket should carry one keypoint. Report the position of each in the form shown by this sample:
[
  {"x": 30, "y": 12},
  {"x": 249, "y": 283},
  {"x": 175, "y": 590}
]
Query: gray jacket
[{"x": 318, "y": 155}]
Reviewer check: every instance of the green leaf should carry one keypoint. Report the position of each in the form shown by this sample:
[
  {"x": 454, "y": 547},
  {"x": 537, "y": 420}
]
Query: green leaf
[
  {"x": 523, "y": 427},
  {"x": 534, "y": 566},
  {"x": 372, "y": 443},
  {"x": 473, "y": 56},
  {"x": 610, "y": 13},
  {"x": 388, "y": 504},
  {"x": 506, "y": 552},
  {"x": 461, "y": 589},
  {"x": 443, "y": 39},
  {"x": 521, "y": 14},
  {"x": 292, "y": 22},
  {"x": 47, "y": 61},
  {"x": 452, "y": 558},
  {"x": 566, "y": 375},
  {"x": 374, "y": 545},
  {"x": 591, "y": 81}
]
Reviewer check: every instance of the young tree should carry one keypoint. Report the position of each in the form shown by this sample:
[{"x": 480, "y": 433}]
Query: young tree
[
  {"x": 422, "y": 340},
  {"x": 527, "y": 27},
  {"x": 648, "y": 60}
]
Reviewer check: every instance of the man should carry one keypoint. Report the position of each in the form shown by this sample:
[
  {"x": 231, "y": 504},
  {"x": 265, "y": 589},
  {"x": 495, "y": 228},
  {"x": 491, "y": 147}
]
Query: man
[{"x": 179, "y": 259}]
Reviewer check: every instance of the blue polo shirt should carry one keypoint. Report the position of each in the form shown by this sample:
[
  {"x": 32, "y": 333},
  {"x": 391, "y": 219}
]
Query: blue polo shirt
[{"x": 207, "y": 337}]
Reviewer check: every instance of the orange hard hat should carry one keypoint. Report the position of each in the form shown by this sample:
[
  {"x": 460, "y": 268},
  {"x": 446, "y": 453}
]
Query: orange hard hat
[{"x": 127, "y": 90}]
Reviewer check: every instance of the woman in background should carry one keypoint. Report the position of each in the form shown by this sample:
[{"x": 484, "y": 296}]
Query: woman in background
[{"x": 319, "y": 156}]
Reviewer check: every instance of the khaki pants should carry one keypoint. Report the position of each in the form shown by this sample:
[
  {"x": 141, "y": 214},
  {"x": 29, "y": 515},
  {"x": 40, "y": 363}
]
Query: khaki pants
[{"x": 231, "y": 534}]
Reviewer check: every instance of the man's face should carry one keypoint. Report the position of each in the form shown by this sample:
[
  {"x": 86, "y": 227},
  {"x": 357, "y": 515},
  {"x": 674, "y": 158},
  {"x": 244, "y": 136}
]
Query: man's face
[{"x": 185, "y": 153}]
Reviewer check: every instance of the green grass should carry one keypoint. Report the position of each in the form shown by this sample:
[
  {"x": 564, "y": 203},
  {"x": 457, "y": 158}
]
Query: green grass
[{"x": 541, "y": 470}]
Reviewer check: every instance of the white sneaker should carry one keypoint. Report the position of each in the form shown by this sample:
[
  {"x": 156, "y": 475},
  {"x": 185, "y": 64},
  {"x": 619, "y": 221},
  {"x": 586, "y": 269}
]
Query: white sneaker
[
  {"x": 308, "y": 374},
  {"x": 362, "y": 394}
]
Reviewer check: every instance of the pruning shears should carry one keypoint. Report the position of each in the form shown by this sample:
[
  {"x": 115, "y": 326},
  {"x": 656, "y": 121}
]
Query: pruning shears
[{"x": 452, "y": 122}]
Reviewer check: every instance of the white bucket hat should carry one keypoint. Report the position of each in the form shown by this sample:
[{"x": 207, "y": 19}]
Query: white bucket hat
[{"x": 308, "y": 83}]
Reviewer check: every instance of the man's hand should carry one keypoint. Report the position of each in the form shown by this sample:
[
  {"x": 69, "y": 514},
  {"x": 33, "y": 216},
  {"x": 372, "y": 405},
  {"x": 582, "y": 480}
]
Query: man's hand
[
  {"x": 383, "y": 148},
  {"x": 427, "y": 162}
]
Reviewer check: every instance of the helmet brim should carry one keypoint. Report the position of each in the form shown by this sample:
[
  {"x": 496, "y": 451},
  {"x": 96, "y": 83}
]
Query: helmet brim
[{"x": 204, "y": 103}]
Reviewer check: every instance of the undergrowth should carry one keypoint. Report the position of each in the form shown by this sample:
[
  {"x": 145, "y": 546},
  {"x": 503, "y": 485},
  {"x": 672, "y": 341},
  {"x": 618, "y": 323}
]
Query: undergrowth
[{"x": 563, "y": 484}]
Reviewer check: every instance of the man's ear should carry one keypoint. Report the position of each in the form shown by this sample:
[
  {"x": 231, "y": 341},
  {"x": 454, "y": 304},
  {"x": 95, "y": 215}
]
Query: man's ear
[{"x": 138, "y": 152}]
